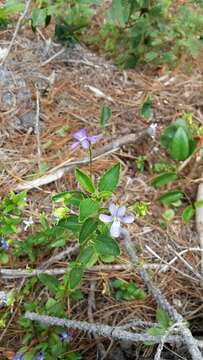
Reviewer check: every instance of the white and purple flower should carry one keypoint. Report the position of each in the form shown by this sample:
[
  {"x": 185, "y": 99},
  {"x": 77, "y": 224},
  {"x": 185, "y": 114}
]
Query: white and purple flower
[
  {"x": 64, "y": 336},
  {"x": 117, "y": 217},
  {"x": 28, "y": 223},
  {"x": 3, "y": 244},
  {"x": 40, "y": 356},
  {"x": 84, "y": 140}
]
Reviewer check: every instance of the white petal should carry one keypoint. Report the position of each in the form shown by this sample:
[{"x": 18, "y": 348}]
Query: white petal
[{"x": 115, "y": 229}]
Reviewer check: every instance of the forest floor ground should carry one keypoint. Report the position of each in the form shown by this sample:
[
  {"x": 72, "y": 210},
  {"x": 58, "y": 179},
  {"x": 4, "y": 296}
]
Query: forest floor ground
[{"x": 73, "y": 87}]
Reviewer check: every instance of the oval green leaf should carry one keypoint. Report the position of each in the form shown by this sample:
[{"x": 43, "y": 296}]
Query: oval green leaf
[
  {"x": 171, "y": 196},
  {"x": 188, "y": 213},
  {"x": 88, "y": 207},
  {"x": 164, "y": 179},
  {"x": 106, "y": 246},
  {"x": 110, "y": 179},
  {"x": 85, "y": 181},
  {"x": 88, "y": 227},
  {"x": 180, "y": 148}
]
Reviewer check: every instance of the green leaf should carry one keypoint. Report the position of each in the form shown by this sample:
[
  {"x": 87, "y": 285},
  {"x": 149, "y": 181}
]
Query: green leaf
[
  {"x": 88, "y": 227},
  {"x": 156, "y": 331},
  {"x": 110, "y": 179},
  {"x": 106, "y": 113},
  {"x": 171, "y": 196},
  {"x": 75, "y": 276},
  {"x": 198, "y": 204},
  {"x": 106, "y": 246},
  {"x": 179, "y": 149},
  {"x": 88, "y": 256},
  {"x": 85, "y": 181},
  {"x": 164, "y": 179},
  {"x": 88, "y": 207},
  {"x": 168, "y": 215},
  {"x": 162, "y": 318},
  {"x": 146, "y": 109},
  {"x": 188, "y": 213},
  {"x": 4, "y": 258},
  {"x": 71, "y": 223},
  {"x": 69, "y": 197},
  {"x": 38, "y": 17},
  {"x": 50, "y": 281}
]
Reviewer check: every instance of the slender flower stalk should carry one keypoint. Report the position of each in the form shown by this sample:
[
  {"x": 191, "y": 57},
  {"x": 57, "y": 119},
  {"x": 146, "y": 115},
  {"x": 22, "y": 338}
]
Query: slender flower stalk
[{"x": 117, "y": 217}]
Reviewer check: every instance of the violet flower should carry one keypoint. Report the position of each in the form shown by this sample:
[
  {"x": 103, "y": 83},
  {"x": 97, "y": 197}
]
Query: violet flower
[
  {"x": 28, "y": 223},
  {"x": 18, "y": 356},
  {"x": 84, "y": 140},
  {"x": 40, "y": 356},
  {"x": 64, "y": 336},
  {"x": 118, "y": 216},
  {"x": 3, "y": 244}
]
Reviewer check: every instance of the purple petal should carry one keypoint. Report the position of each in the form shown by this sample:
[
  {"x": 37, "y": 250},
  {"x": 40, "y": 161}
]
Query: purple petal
[
  {"x": 105, "y": 218},
  {"x": 121, "y": 211},
  {"x": 93, "y": 139},
  {"x": 115, "y": 229},
  {"x": 81, "y": 134},
  {"x": 85, "y": 144},
  {"x": 74, "y": 145},
  {"x": 113, "y": 209},
  {"x": 128, "y": 219}
]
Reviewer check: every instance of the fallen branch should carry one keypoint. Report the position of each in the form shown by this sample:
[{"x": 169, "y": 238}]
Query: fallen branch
[
  {"x": 19, "y": 273},
  {"x": 199, "y": 221},
  {"x": 186, "y": 334},
  {"x": 64, "y": 168},
  {"x": 110, "y": 332}
]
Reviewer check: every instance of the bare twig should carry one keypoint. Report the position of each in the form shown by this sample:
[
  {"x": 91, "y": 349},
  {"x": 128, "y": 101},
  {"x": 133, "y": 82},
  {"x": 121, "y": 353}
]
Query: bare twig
[
  {"x": 21, "y": 18},
  {"x": 116, "y": 333},
  {"x": 53, "y": 57},
  {"x": 186, "y": 334},
  {"x": 199, "y": 221},
  {"x": 19, "y": 273},
  {"x": 105, "y": 150},
  {"x": 37, "y": 129}
]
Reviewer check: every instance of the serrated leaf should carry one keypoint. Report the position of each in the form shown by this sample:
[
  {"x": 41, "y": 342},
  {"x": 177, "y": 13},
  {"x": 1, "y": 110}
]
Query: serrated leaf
[
  {"x": 88, "y": 227},
  {"x": 88, "y": 256},
  {"x": 110, "y": 179},
  {"x": 106, "y": 246},
  {"x": 171, "y": 196},
  {"x": 105, "y": 115},
  {"x": 164, "y": 179},
  {"x": 88, "y": 207},
  {"x": 162, "y": 318},
  {"x": 50, "y": 281},
  {"x": 85, "y": 181},
  {"x": 75, "y": 276},
  {"x": 71, "y": 223},
  {"x": 188, "y": 213},
  {"x": 180, "y": 149}
]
